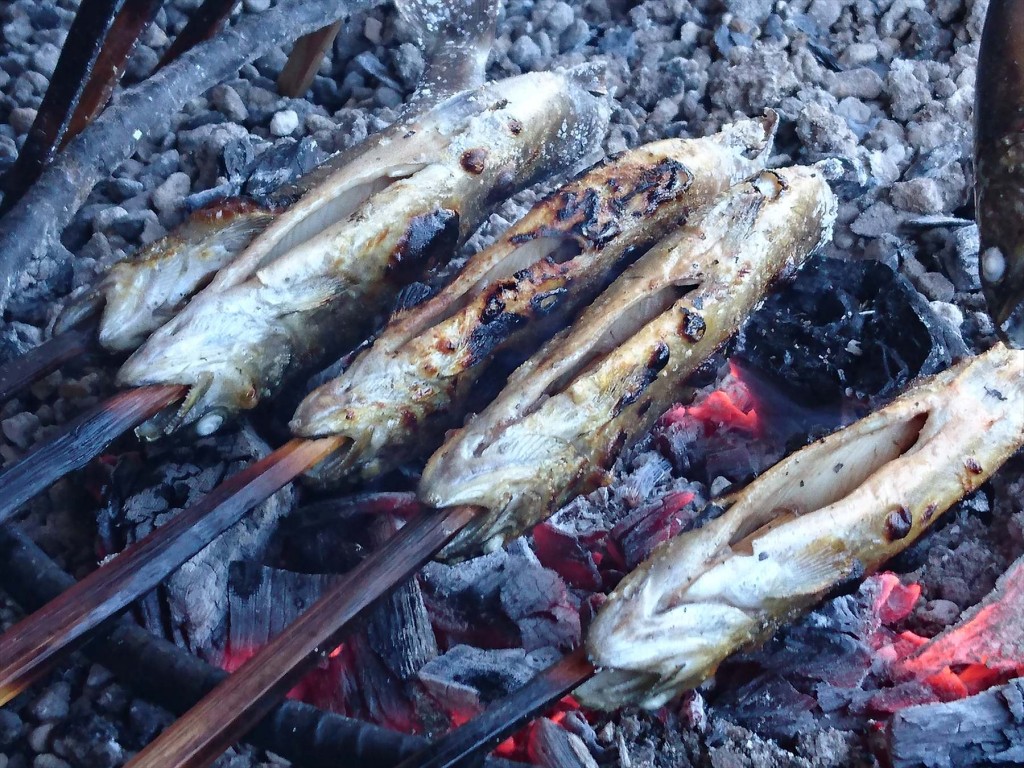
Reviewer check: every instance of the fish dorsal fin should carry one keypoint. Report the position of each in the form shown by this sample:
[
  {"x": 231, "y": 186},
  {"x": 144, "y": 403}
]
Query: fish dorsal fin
[{"x": 456, "y": 37}]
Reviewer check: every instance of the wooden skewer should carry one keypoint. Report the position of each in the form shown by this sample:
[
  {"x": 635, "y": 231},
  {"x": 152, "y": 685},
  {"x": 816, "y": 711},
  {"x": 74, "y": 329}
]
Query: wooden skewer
[
  {"x": 121, "y": 40},
  {"x": 85, "y": 40},
  {"x": 223, "y": 717},
  {"x": 80, "y": 442},
  {"x": 32, "y": 645},
  {"x": 20, "y": 373},
  {"x": 304, "y": 61},
  {"x": 504, "y": 717}
]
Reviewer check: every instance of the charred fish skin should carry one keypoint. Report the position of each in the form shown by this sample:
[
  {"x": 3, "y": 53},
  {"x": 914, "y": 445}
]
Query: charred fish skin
[
  {"x": 398, "y": 396},
  {"x": 834, "y": 510},
  {"x": 565, "y": 414},
  {"x": 999, "y": 165},
  {"x": 237, "y": 340},
  {"x": 140, "y": 295}
]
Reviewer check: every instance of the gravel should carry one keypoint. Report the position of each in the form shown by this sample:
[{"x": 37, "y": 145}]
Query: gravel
[{"x": 886, "y": 86}]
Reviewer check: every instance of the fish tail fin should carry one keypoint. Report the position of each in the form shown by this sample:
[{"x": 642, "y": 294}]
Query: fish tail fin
[{"x": 456, "y": 37}]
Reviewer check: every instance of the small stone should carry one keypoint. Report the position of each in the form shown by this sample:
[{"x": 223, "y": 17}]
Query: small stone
[
  {"x": 49, "y": 761},
  {"x": 409, "y": 64},
  {"x": 858, "y": 54},
  {"x": 256, "y": 6},
  {"x": 53, "y": 703},
  {"x": 942, "y": 612},
  {"x": 20, "y": 429},
  {"x": 284, "y": 123},
  {"x": 167, "y": 198},
  {"x": 526, "y": 54},
  {"x": 950, "y": 313},
  {"x": 39, "y": 737},
  {"x": 560, "y": 17},
  {"x": 860, "y": 83},
  {"x": 21, "y": 119},
  {"x": 921, "y": 195},
  {"x": 44, "y": 59},
  {"x": 11, "y": 727},
  {"x": 226, "y": 100},
  {"x": 372, "y": 29},
  {"x": 936, "y": 286}
]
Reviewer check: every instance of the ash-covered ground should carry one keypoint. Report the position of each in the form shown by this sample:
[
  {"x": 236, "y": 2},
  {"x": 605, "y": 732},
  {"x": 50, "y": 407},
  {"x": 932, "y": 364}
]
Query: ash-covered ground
[{"x": 885, "y": 86}]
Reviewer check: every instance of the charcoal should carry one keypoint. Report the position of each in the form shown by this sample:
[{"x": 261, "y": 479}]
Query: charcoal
[
  {"x": 985, "y": 729},
  {"x": 844, "y": 329},
  {"x": 263, "y": 601},
  {"x": 466, "y": 679},
  {"x": 554, "y": 747},
  {"x": 281, "y": 164}
]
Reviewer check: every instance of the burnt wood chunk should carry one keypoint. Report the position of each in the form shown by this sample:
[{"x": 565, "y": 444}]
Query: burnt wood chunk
[{"x": 985, "y": 729}]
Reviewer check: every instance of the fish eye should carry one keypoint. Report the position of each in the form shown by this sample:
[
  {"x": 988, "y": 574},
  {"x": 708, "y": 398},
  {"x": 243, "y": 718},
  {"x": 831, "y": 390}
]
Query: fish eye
[{"x": 209, "y": 423}]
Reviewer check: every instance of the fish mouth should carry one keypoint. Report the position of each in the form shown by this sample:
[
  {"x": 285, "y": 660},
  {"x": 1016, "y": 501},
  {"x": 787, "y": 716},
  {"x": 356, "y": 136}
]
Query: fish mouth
[{"x": 333, "y": 469}]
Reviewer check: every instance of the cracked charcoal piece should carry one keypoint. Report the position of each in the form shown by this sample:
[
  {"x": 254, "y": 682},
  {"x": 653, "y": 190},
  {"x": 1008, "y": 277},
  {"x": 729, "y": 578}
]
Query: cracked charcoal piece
[{"x": 845, "y": 328}]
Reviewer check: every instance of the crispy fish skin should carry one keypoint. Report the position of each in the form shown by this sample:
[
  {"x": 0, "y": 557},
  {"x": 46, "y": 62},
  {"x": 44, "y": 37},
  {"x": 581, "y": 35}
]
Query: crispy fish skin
[
  {"x": 399, "y": 395},
  {"x": 140, "y": 295},
  {"x": 565, "y": 414},
  {"x": 833, "y": 511},
  {"x": 237, "y": 340},
  {"x": 999, "y": 164}
]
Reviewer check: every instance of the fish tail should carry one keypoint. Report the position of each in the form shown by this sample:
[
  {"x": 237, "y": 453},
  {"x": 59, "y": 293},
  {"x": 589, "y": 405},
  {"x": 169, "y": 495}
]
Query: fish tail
[{"x": 456, "y": 36}]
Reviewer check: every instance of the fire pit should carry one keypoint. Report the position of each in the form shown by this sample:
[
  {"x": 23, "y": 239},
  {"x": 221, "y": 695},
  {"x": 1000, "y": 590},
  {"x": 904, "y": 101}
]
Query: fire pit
[{"x": 886, "y": 89}]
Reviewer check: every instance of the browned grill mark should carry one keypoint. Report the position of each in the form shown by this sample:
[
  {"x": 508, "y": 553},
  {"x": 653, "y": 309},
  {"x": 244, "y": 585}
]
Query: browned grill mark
[
  {"x": 515, "y": 126},
  {"x": 655, "y": 364},
  {"x": 692, "y": 325},
  {"x": 898, "y": 524},
  {"x": 428, "y": 237},
  {"x": 474, "y": 160},
  {"x": 973, "y": 466}
]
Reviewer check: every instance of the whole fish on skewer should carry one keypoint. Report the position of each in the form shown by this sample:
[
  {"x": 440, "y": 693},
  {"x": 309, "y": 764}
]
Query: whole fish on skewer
[
  {"x": 833, "y": 511},
  {"x": 275, "y": 310},
  {"x": 565, "y": 414},
  {"x": 139, "y": 295},
  {"x": 397, "y": 397}
]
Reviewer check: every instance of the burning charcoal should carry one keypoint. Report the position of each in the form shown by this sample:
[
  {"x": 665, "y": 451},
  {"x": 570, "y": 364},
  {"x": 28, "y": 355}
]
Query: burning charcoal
[
  {"x": 846, "y": 328},
  {"x": 552, "y": 746},
  {"x": 191, "y": 605},
  {"x": 985, "y": 648},
  {"x": 984, "y": 730}
]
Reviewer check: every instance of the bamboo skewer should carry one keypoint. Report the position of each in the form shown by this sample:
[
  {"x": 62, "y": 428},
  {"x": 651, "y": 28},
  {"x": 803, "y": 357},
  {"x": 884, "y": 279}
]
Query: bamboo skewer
[
  {"x": 304, "y": 61},
  {"x": 81, "y": 441},
  {"x": 34, "y": 643},
  {"x": 242, "y": 700}
]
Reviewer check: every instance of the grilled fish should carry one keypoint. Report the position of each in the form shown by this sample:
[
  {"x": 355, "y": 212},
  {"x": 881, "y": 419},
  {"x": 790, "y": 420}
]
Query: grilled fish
[
  {"x": 140, "y": 295},
  {"x": 999, "y": 165},
  {"x": 565, "y": 414},
  {"x": 278, "y": 307},
  {"x": 399, "y": 395},
  {"x": 830, "y": 512}
]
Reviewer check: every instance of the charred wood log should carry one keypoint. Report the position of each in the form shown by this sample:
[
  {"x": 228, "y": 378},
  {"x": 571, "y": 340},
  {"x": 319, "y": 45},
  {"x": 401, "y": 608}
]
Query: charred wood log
[
  {"x": 204, "y": 24},
  {"x": 986, "y": 729},
  {"x": 32, "y": 229},
  {"x": 163, "y": 673}
]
